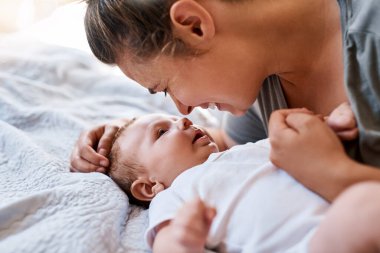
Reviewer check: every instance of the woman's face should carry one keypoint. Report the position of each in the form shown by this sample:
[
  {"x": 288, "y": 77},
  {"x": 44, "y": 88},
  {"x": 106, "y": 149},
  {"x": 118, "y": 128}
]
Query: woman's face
[{"x": 228, "y": 80}]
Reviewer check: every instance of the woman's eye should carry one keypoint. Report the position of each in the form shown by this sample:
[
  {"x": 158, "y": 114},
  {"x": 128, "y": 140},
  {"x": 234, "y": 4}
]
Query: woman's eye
[{"x": 161, "y": 132}]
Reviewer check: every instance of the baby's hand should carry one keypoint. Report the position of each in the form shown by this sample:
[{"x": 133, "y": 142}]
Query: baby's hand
[
  {"x": 192, "y": 224},
  {"x": 342, "y": 121}
]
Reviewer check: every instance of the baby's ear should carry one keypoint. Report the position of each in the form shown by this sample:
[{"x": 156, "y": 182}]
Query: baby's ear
[
  {"x": 192, "y": 22},
  {"x": 144, "y": 189}
]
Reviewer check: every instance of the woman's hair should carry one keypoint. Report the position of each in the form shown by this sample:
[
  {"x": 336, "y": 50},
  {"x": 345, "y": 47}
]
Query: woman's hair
[
  {"x": 143, "y": 27},
  {"x": 124, "y": 170}
]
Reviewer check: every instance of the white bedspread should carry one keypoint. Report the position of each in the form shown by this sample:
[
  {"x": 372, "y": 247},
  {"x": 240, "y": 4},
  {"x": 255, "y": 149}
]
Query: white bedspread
[{"x": 48, "y": 95}]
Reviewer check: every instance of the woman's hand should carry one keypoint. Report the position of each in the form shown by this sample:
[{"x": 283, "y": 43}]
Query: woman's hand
[
  {"x": 309, "y": 150},
  {"x": 92, "y": 148}
]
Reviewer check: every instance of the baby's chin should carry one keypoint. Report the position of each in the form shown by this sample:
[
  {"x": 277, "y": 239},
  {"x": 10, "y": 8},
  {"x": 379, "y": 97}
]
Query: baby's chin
[{"x": 214, "y": 147}]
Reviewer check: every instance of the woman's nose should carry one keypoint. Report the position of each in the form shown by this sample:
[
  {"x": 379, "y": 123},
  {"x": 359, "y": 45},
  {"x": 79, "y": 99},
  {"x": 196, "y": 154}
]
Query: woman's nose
[
  {"x": 184, "y": 123},
  {"x": 183, "y": 109}
]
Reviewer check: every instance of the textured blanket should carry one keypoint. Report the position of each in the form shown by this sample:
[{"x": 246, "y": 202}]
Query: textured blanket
[{"x": 48, "y": 95}]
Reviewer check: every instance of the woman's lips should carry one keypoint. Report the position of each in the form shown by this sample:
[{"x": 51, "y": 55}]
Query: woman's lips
[{"x": 211, "y": 105}]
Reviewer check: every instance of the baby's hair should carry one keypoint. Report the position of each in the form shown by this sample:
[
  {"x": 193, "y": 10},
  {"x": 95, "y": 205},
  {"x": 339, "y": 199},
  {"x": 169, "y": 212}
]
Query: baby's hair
[
  {"x": 141, "y": 27},
  {"x": 124, "y": 170}
]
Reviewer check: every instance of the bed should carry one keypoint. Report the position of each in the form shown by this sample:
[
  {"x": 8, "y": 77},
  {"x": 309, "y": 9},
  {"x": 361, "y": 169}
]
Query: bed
[{"x": 49, "y": 93}]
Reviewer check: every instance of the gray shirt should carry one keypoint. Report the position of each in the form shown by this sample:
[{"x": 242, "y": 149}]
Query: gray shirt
[
  {"x": 361, "y": 45},
  {"x": 361, "y": 37},
  {"x": 253, "y": 126}
]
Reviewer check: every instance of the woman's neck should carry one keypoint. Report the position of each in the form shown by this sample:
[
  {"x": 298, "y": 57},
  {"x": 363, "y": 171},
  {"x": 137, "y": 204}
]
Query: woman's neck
[
  {"x": 307, "y": 52},
  {"x": 298, "y": 40}
]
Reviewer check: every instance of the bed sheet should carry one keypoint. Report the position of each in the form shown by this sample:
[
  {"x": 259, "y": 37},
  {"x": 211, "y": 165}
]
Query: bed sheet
[{"x": 48, "y": 95}]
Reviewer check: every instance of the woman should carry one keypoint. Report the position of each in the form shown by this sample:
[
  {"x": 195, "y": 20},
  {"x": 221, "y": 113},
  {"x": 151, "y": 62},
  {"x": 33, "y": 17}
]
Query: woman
[{"x": 285, "y": 54}]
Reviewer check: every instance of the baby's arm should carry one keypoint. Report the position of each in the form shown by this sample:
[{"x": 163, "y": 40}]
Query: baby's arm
[{"x": 187, "y": 232}]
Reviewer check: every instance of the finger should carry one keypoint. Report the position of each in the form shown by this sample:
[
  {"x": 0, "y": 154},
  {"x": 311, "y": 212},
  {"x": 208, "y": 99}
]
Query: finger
[
  {"x": 348, "y": 135},
  {"x": 342, "y": 118},
  {"x": 101, "y": 170},
  {"x": 277, "y": 121},
  {"x": 209, "y": 216},
  {"x": 91, "y": 156},
  {"x": 301, "y": 121},
  {"x": 204, "y": 213},
  {"x": 91, "y": 137},
  {"x": 106, "y": 140},
  {"x": 341, "y": 123},
  {"x": 80, "y": 165},
  {"x": 199, "y": 220},
  {"x": 278, "y": 127},
  {"x": 96, "y": 133}
]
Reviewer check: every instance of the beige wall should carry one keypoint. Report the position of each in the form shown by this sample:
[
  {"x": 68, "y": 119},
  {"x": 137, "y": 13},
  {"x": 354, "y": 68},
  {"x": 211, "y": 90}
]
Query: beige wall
[{"x": 19, "y": 14}]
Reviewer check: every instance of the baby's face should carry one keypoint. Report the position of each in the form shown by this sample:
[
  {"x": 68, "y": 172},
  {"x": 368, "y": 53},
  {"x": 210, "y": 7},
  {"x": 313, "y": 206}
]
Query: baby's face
[{"x": 166, "y": 145}]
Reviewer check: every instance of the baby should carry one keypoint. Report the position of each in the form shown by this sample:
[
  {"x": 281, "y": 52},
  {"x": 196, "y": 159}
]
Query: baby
[{"x": 232, "y": 201}]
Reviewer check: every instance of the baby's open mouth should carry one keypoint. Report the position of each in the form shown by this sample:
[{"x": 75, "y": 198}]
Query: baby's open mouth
[{"x": 198, "y": 134}]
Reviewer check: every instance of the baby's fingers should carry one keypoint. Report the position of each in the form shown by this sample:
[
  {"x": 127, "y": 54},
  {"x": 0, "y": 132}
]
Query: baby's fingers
[
  {"x": 196, "y": 216},
  {"x": 210, "y": 215},
  {"x": 348, "y": 135},
  {"x": 192, "y": 223},
  {"x": 342, "y": 118}
]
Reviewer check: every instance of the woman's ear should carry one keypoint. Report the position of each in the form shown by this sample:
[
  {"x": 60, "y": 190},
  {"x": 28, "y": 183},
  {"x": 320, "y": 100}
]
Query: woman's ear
[
  {"x": 192, "y": 22},
  {"x": 145, "y": 190}
]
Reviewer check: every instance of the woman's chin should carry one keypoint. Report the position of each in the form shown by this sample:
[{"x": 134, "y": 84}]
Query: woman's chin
[{"x": 228, "y": 108}]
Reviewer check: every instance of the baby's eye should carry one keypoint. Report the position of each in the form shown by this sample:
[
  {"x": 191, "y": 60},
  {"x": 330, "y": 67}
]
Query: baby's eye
[{"x": 161, "y": 132}]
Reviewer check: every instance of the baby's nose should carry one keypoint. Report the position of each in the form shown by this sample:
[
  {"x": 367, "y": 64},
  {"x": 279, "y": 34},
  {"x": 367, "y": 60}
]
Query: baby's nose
[{"x": 184, "y": 123}]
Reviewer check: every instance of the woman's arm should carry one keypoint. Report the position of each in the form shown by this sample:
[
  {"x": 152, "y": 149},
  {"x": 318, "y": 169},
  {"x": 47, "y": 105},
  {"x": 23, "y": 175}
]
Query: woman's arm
[
  {"x": 93, "y": 146},
  {"x": 309, "y": 150}
]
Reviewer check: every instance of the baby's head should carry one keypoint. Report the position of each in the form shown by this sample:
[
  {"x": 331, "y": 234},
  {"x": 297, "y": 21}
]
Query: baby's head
[{"x": 151, "y": 151}]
